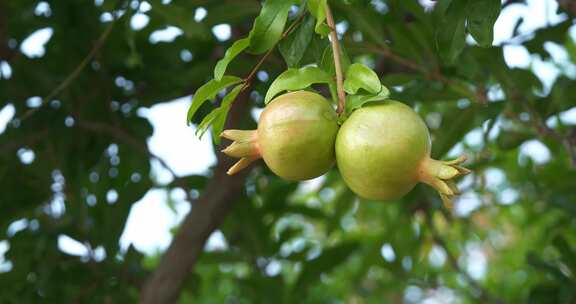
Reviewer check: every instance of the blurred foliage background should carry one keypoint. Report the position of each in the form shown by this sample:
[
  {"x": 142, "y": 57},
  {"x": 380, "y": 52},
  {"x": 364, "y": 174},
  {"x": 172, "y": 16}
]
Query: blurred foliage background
[{"x": 74, "y": 158}]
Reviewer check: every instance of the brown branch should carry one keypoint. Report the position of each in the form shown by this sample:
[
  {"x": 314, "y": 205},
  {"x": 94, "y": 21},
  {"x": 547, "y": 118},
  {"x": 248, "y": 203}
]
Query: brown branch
[
  {"x": 485, "y": 295},
  {"x": 337, "y": 61},
  {"x": 207, "y": 213}
]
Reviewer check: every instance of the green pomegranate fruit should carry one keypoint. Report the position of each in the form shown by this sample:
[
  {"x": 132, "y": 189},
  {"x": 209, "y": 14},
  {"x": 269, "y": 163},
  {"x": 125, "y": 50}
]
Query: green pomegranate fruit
[
  {"x": 295, "y": 137},
  {"x": 383, "y": 150}
]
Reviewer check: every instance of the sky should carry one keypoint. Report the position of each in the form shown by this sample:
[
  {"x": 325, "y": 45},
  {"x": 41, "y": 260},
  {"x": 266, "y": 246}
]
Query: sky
[{"x": 151, "y": 220}]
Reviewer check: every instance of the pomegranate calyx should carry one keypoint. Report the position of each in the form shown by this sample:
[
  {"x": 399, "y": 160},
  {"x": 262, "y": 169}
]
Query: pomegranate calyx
[
  {"x": 244, "y": 146},
  {"x": 440, "y": 175}
]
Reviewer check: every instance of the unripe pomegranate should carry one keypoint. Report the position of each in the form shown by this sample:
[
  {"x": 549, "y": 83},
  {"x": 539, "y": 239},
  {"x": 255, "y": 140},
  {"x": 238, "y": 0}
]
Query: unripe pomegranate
[
  {"x": 383, "y": 150},
  {"x": 295, "y": 137}
]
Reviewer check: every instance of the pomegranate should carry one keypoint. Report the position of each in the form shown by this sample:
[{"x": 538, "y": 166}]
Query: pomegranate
[
  {"x": 295, "y": 137},
  {"x": 383, "y": 150}
]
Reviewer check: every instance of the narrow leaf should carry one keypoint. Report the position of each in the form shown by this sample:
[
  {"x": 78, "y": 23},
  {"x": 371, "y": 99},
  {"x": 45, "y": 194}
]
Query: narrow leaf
[
  {"x": 482, "y": 15},
  {"x": 359, "y": 76},
  {"x": 230, "y": 54},
  {"x": 317, "y": 9},
  {"x": 451, "y": 32},
  {"x": 295, "y": 45},
  {"x": 209, "y": 91},
  {"x": 218, "y": 123},
  {"x": 206, "y": 122},
  {"x": 297, "y": 79},
  {"x": 269, "y": 25}
]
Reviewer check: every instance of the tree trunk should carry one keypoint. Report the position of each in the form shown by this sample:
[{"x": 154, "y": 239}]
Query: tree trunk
[{"x": 207, "y": 213}]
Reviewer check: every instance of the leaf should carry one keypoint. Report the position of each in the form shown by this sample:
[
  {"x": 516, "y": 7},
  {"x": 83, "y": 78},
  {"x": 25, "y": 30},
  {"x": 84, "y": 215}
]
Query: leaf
[
  {"x": 269, "y": 25},
  {"x": 296, "y": 44},
  {"x": 297, "y": 79},
  {"x": 359, "y": 76},
  {"x": 218, "y": 124},
  {"x": 230, "y": 54},
  {"x": 482, "y": 15},
  {"x": 327, "y": 60},
  {"x": 217, "y": 117},
  {"x": 451, "y": 33},
  {"x": 209, "y": 91},
  {"x": 356, "y": 101},
  {"x": 206, "y": 122},
  {"x": 317, "y": 9}
]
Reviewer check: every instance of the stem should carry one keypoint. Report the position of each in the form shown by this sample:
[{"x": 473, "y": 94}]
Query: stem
[{"x": 337, "y": 63}]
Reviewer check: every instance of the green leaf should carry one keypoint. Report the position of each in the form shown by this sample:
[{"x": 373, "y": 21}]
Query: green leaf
[
  {"x": 269, "y": 25},
  {"x": 218, "y": 124},
  {"x": 451, "y": 33},
  {"x": 354, "y": 102},
  {"x": 297, "y": 79},
  {"x": 295, "y": 45},
  {"x": 359, "y": 76},
  {"x": 327, "y": 60},
  {"x": 217, "y": 117},
  {"x": 206, "y": 122},
  {"x": 209, "y": 91},
  {"x": 317, "y": 9},
  {"x": 482, "y": 15},
  {"x": 230, "y": 54}
]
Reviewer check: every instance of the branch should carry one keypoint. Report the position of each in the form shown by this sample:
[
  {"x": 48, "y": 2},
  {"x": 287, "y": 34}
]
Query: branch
[
  {"x": 207, "y": 213},
  {"x": 484, "y": 294},
  {"x": 337, "y": 62},
  {"x": 76, "y": 72}
]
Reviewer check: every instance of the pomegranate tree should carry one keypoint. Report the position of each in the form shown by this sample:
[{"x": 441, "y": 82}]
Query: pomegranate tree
[
  {"x": 383, "y": 150},
  {"x": 295, "y": 137}
]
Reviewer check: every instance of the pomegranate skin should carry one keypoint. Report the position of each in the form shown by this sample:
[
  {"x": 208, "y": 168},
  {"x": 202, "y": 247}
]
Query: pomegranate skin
[
  {"x": 296, "y": 134},
  {"x": 379, "y": 149},
  {"x": 295, "y": 137}
]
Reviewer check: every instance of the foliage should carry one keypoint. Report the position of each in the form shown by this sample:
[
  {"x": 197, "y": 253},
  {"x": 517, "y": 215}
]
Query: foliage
[{"x": 313, "y": 242}]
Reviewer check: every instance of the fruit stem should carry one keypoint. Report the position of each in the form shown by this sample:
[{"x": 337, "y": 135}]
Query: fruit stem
[
  {"x": 337, "y": 62},
  {"x": 440, "y": 175},
  {"x": 244, "y": 146}
]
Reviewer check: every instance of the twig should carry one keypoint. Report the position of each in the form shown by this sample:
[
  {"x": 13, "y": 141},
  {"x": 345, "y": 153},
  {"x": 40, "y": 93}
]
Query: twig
[
  {"x": 76, "y": 72},
  {"x": 484, "y": 294},
  {"x": 337, "y": 62},
  {"x": 248, "y": 79}
]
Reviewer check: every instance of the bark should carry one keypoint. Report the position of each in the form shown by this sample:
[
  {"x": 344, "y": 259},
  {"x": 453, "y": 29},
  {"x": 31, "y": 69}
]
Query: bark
[{"x": 207, "y": 213}]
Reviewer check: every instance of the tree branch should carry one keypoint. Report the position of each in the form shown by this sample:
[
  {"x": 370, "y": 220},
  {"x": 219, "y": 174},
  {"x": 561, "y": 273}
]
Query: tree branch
[
  {"x": 337, "y": 62},
  {"x": 207, "y": 213}
]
